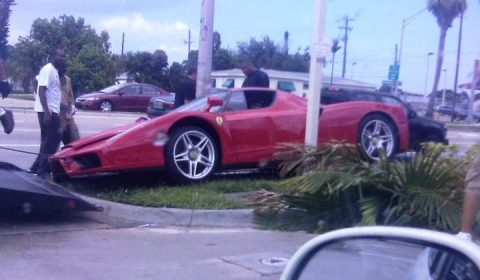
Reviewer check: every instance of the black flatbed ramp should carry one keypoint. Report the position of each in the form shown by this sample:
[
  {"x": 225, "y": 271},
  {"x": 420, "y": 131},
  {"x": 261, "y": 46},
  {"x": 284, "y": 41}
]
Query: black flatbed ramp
[{"x": 25, "y": 192}]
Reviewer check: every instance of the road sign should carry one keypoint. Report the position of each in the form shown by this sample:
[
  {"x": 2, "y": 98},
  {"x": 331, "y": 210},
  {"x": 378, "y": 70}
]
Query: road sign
[
  {"x": 321, "y": 47},
  {"x": 390, "y": 83},
  {"x": 393, "y": 72}
]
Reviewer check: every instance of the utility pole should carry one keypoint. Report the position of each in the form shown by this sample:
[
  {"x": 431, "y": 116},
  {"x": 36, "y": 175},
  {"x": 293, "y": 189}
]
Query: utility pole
[
  {"x": 123, "y": 41},
  {"x": 205, "y": 48},
  {"x": 189, "y": 41},
  {"x": 345, "y": 39},
  {"x": 315, "y": 77},
  {"x": 285, "y": 42}
]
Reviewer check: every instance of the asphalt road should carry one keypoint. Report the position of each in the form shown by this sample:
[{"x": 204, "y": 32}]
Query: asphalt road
[
  {"x": 96, "y": 246},
  {"x": 79, "y": 248},
  {"x": 20, "y": 146}
]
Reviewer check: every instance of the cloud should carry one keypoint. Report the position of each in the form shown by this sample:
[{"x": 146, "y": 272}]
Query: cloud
[{"x": 136, "y": 22}]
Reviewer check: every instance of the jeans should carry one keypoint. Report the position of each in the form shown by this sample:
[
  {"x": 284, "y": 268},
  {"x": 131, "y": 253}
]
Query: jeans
[{"x": 50, "y": 137}]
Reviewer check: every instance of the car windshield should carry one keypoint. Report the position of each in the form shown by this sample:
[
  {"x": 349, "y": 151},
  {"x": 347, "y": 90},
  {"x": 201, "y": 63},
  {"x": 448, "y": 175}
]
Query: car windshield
[
  {"x": 111, "y": 88},
  {"x": 201, "y": 103}
]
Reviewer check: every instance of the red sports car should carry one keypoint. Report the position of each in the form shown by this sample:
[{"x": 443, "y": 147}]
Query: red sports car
[{"x": 232, "y": 128}]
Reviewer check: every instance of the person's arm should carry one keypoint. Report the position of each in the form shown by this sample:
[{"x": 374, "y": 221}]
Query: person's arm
[
  {"x": 71, "y": 97},
  {"x": 190, "y": 93},
  {"x": 471, "y": 206},
  {"x": 43, "y": 100},
  {"x": 265, "y": 80}
]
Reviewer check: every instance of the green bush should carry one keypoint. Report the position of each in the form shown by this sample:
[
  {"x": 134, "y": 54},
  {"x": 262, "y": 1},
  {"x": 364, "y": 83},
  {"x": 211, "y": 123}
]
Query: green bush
[{"x": 333, "y": 188}]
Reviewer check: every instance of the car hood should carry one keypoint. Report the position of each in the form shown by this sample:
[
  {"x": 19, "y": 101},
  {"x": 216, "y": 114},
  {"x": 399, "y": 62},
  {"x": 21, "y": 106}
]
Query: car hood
[
  {"x": 429, "y": 120},
  {"x": 92, "y": 94}
]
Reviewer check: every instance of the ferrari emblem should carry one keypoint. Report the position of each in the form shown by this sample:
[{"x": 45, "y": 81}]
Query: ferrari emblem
[{"x": 219, "y": 120}]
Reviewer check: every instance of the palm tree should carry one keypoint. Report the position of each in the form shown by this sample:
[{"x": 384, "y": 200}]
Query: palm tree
[
  {"x": 335, "y": 48},
  {"x": 335, "y": 188},
  {"x": 445, "y": 11}
]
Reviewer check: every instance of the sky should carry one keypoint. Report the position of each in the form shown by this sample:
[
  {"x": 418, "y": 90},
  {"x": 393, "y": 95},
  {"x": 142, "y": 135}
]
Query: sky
[{"x": 375, "y": 35}]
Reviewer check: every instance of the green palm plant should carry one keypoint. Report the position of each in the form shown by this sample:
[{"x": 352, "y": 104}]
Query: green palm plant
[
  {"x": 445, "y": 11},
  {"x": 333, "y": 187}
]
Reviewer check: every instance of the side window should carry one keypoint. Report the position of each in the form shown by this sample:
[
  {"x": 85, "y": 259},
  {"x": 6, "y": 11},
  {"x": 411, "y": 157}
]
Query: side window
[
  {"x": 286, "y": 86},
  {"x": 132, "y": 90},
  {"x": 364, "y": 96},
  {"x": 259, "y": 98},
  {"x": 394, "y": 101},
  {"x": 332, "y": 97},
  {"x": 229, "y": 83},
  {"x": 236, "y": 102},
  {"x": 150, "y": 90}
]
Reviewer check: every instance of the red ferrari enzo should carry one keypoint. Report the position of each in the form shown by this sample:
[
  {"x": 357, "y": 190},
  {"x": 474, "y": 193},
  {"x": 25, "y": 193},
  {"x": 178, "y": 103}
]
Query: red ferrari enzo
[{"x": 230, "y": 129}]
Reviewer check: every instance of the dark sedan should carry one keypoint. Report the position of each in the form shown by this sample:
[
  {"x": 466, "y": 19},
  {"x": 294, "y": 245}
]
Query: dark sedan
[
  {"x": 132, "y": 97},
  {"x": 160, "y": 105},
  {"x": 421, "y": 129}
]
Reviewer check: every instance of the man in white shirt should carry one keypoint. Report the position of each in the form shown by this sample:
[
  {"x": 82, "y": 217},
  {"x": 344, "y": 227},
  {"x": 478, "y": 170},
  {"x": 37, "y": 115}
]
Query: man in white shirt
[{"x": 47, "y": 105}]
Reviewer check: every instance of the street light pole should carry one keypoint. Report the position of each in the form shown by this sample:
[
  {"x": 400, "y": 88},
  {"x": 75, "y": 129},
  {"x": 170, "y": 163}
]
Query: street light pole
[
  {"x": 426, "y": 77},
  {"x": 351, "y": 75},
  {"x": 444, "y": 86},
  {"x": 399, "y": 62}
]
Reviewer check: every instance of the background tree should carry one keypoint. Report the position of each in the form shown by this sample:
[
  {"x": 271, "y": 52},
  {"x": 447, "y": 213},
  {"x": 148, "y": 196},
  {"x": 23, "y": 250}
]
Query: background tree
[
  {"x": 445, "y": 11},
  {"x": 5, "y": 12},
  {"x": 26, "y": 58},
  {"x": 217, "y": 41},
  {"x": 335, "y": 49},
  {"x": 261, "y": 53},
  {"x": 223, "y": 59},
  {"x": 90, "y": 64},
  {"x": 91, "y": 69}
]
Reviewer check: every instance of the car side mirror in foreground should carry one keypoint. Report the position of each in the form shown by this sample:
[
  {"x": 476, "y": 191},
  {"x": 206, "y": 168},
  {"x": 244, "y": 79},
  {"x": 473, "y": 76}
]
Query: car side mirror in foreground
[{"x": 381, "y": 252}]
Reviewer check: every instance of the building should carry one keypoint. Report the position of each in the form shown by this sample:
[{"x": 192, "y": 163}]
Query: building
[{"x": 294, "y": 82}]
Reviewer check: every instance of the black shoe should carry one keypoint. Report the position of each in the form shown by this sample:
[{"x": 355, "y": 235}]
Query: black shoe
[{"x": 7, "y": 121}]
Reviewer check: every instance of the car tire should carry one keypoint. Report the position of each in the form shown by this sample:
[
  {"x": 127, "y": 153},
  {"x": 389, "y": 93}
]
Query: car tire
[
  {"x": 105, "y": 106},
  {"x": 376, "y": 133},
  {"x": 191, "y": 155}
]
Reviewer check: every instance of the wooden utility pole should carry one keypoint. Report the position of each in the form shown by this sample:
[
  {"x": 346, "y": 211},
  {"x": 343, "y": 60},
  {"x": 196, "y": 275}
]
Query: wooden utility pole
[
  {"x": 345, "y": 39},
  {"x": 189, "y": 42},
  {"x": 123, "y": 41}
]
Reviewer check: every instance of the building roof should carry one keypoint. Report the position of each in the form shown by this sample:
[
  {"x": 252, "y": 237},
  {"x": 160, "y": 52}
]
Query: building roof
[{"x": 296, "y": 76}]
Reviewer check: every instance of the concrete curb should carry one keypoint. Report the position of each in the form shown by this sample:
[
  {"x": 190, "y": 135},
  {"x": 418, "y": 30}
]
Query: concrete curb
[{"x": 242, "y": 218}]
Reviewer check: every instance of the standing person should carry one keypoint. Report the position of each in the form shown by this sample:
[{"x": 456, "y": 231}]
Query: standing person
[
  {"x": 47, "y": 106},
  {"x": 69, "y": 127},
  {"x": 255, "y": 77},
  {"x": 186, "y": 89},
  {"x": 471, "y": 199},
  {"x": 6, "y": 116}
]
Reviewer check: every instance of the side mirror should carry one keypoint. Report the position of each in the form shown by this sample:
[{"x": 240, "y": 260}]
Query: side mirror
[
  {"x": 383, "y": 252},
  {"x": 120, "y": 93},
  {"x": 213, "y": 101}
]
